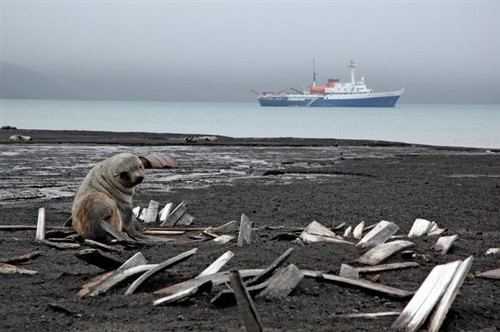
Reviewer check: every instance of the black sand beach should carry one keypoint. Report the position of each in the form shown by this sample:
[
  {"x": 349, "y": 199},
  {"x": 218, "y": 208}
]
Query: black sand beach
[{"x": 275, "y": 182}]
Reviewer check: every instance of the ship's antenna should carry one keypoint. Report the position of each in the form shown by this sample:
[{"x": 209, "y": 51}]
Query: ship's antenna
[
  {"x": 314, "y": 72},
  {"x": 352, "y": 65}
]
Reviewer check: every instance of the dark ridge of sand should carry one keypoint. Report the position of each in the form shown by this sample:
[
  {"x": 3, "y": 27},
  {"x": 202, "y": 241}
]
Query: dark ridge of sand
[{"x": 294, "y": 182}]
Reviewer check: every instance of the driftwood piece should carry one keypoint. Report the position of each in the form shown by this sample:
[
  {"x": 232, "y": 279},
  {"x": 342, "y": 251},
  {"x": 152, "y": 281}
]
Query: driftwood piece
[
  {"x": 159, "y": 268},
  {"x": 10, "y": 269},
  {"x": 444, "y": 243},
  {"x": 316, "y": 232},
  {"x": 246, "y": 307},
  {"x": 165, "y": 212},
  {"x": 416, "y": 311},
  {"x": 420, "y": 227},
  {"x": 381, "y": 252},
  {"x": 270, "y": 269},
  {"x": 245, "y": 235},
  {"x": 282, "y": 283},
  {"x": 387, "y": 267},
  {"x": 367, "y": 285},
  {"x": 185, "y": 220},
  {"x": 163, "y": 232},
  {"x": 226, "y": 228},
  {"x": 217, "y": 264},
  {"x": 444, "y": 305},
  {"x": 185, "y": 294},
  {"x": 105, "y": 281},
  {"x": 370, "y": 315},
  {"x": 223, "y": 239},
  {"x": 59, "y": 245},
  {"x": 216, "y": 279},
  {"x": 175, "y": 215},
  {"x": 136, "y": 212},
  {"x": 226, "y": 296},
  {"x": 348, "y": 271},
  {"x": 490, "y": 274},
  {"x": 103, "y": 246},
  {"x": 40, "y": 226},
  {"x": 32, "y": 227},
  {"x": 151, "y": 212},
  {"x": 348, "y": 231},
  {"x": 338, "y": 227},
  {"x": 100, "y": 259},
  {"x": 379, "y": 234},
  {"x": 22, "y": 258},
  {"x": 492, "y": 251},
  {"x": 435, "y": 230},
  {"x": 358, "y": 230}
]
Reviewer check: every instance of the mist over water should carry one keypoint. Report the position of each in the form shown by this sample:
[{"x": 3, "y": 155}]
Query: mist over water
[{"x": 447, "y": 125}]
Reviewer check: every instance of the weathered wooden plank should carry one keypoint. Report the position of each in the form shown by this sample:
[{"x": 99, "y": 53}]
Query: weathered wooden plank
[
  {"x": 370, "y": 315},
  {"x": 420, "y": 227},
  {"x": 159, "y": 268},
  {"x": 163, "y": 232},
  {"x": 387, "y": 267},
  {"x": 416, "y": 311},
  {"x": 21, "y": 258},
  {"x": 103, "y": 246},
  {"x": 381, "y": 252},
  {"x": 151, "y": 212},
  {"x": 226, "y": 296},
  {"x": 185, "y": 220},
  {"x": 490, "y": 274},
  {"x": 315, "y": 232},
  {"x": 282, "y": 283},
  {"x": 444, "y": 243},
  {"x": 10, "y": 269},
  {"x": 137, "y": 259},
  {"x": 32, "y": 227},
  {"x": 124, "y": 271},
  {"x": 225, "y": 228},
  {"x": 223, "y": 239},
  {"x": 185, "y": 294},
  {"x": 444, "y": 305},
  {"x": 270, "y": 269},
  {"x": 60, "y": 246},
  {"x": 118, "y": 276},
  {"x": 216, "y": 278},
  {"x": 435, "y": 230},
  {"x": 40, "y": 226},
  {"x": 175, "y": 215},
  {"x": 379, "y": 234},
  {"x": 348, "y": 271},
  {"x": 348, "y": 231},
  {"x": 100, "y": 259},
  {"x": 217, "y": 264},
  {"x": 165, "y": 212},
  {"x": 245, "y": 235},
  {"x": 245, "y": 304},
  {"x": 368, "y": 285},
  {"x": 358, "y": 230}
]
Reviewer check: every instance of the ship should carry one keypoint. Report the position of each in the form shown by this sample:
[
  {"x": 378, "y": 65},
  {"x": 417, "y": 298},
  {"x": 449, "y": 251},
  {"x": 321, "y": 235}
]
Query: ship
[{"x": 333, "y": 94}]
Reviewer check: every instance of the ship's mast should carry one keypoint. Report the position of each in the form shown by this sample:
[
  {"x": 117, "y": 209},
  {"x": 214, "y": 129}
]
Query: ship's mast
[
  {"x": 352, "y": 65},
  {"x": 314, "y": 72}
]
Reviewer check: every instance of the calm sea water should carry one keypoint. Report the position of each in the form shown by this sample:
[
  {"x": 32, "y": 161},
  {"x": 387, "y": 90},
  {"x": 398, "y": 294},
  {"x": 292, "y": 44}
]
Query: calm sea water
[{"x": 450, "y": 125}]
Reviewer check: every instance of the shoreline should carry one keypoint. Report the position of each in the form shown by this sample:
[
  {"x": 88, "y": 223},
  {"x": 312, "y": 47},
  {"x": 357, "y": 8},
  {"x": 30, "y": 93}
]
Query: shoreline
[{"x": 42, "y": 136}]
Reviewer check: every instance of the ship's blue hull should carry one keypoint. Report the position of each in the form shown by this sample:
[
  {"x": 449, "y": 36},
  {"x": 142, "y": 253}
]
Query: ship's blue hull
[{"x": 382, "y": 101}]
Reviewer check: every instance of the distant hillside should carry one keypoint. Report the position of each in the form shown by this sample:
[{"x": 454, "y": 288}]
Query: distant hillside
[{"x": 23, "y": 83}]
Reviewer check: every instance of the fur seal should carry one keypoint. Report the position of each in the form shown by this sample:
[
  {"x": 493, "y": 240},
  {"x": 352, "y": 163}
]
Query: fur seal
[{"x": 105, "y": 198}]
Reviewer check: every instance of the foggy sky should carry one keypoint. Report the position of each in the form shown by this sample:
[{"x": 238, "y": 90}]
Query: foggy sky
[{"x": 439, "y": 51}]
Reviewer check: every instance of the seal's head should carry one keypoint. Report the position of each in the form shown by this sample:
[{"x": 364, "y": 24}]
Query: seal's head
[{"x": 128, "y": 169}]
